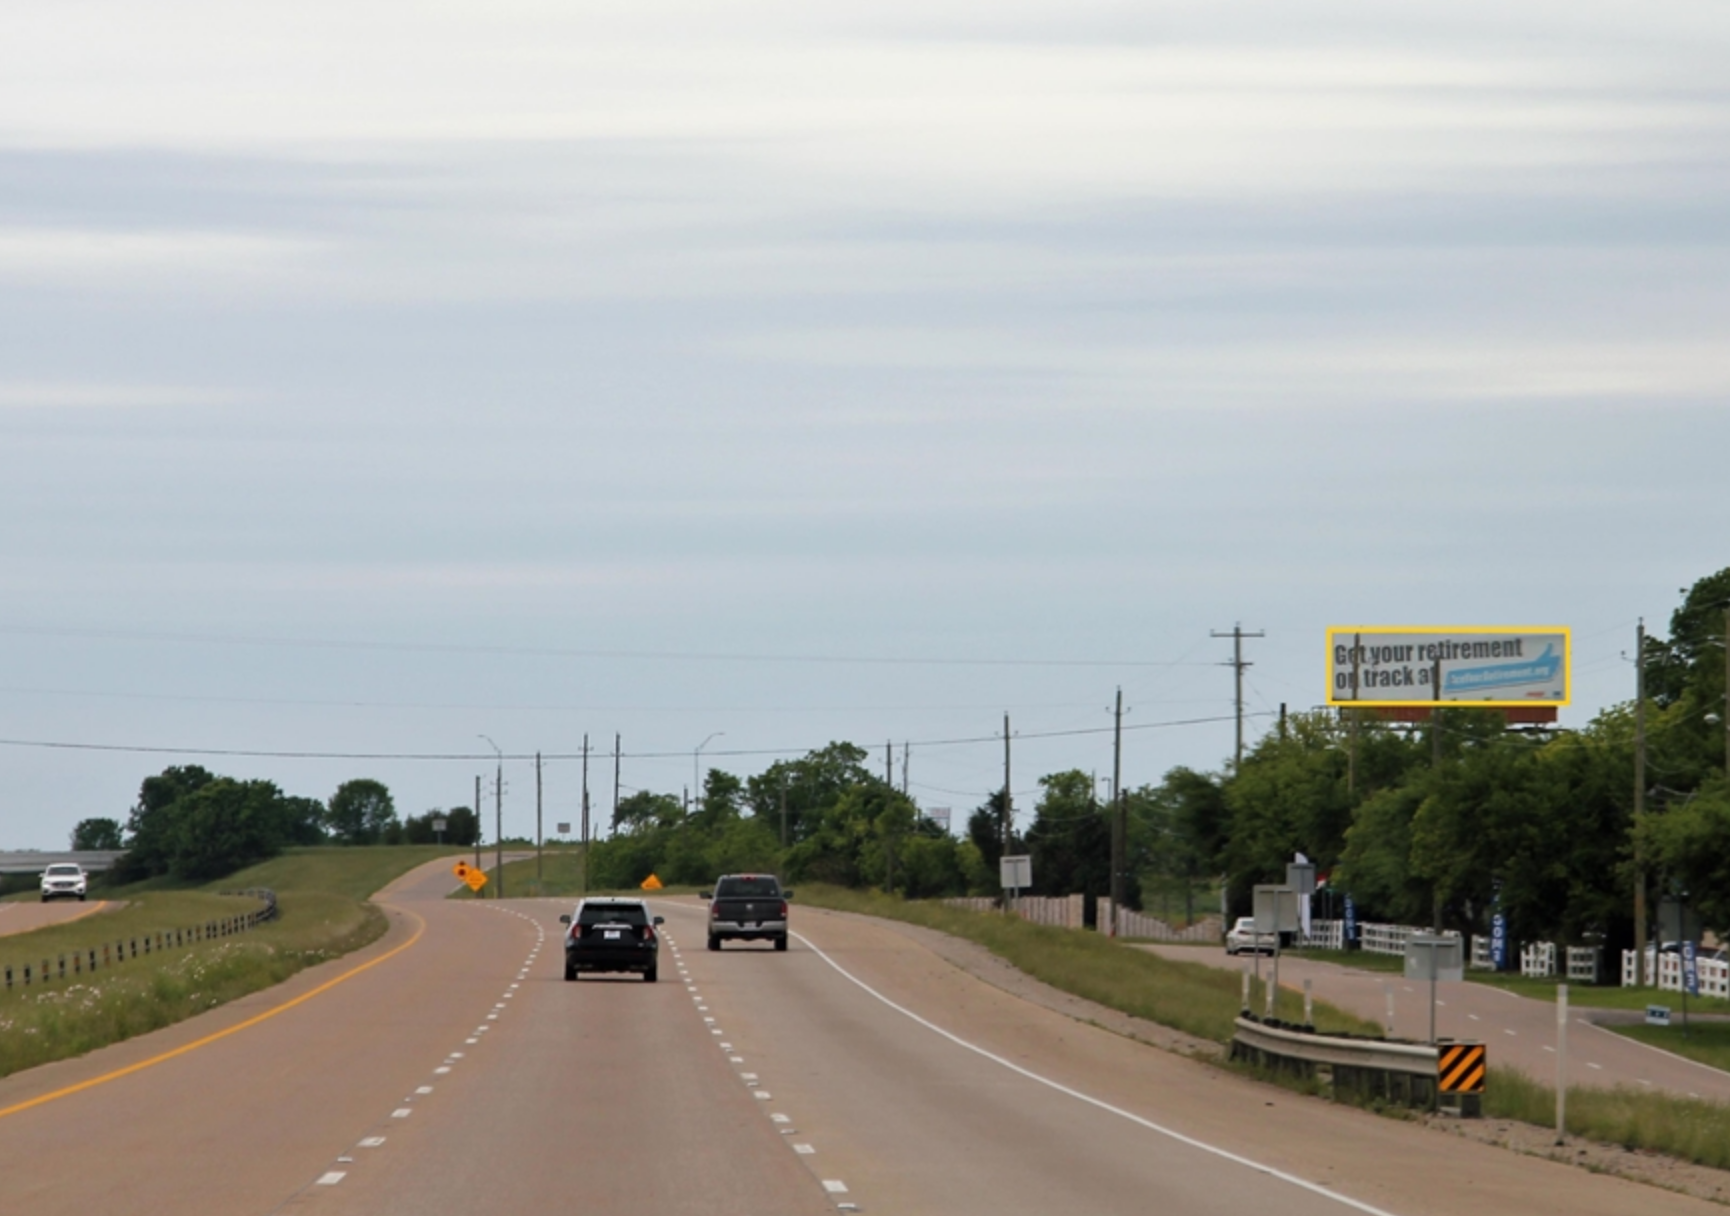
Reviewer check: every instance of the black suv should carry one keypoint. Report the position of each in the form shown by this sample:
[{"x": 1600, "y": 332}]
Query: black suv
[
  {"x": 612, "y": 935},
  {"x": 748, "y": 907}
]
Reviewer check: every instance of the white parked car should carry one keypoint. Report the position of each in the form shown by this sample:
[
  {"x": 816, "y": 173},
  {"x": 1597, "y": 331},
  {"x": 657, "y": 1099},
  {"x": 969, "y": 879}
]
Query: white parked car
[
  {"x": 64, "y": 880},
  {"x": 1244, "y": 937}
]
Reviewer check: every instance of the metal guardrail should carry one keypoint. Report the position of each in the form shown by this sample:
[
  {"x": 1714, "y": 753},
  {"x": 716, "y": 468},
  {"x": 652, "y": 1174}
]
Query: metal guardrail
[
  {"x": 111, "y": 954},
  {"x": 1410, "y": 1074}
]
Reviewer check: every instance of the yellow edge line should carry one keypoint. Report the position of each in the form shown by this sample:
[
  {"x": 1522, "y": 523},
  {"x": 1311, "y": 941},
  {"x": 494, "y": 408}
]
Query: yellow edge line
[{"x": 93, "y": 1082}]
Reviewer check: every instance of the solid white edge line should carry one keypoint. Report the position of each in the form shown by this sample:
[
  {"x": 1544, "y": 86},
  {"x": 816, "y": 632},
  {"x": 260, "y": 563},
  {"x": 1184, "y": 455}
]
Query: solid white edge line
[{"x": 1097, "y": 1103}]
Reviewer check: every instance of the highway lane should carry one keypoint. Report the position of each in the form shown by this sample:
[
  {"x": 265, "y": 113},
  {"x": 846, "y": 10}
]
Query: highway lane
[
  {"x": 20, "y": 917},
  {"x": 461, "y": 1073},
  {"x": 1520, "y": 1032},
  {"x": 911, "y": 1121}
]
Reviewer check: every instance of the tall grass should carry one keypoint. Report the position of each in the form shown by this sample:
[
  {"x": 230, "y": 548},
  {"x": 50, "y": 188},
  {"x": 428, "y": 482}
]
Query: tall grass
[
  {"x": 1690, "y": 1128},
  {"x": 1192, "y": 997},
  {"x": 321, "y": 896}
]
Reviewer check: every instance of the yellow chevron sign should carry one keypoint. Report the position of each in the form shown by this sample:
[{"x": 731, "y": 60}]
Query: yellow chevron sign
[{"x": 1462, "y": 1067}]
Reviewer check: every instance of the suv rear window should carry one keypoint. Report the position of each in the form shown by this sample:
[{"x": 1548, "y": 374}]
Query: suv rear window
[
  {"x": 747, "y": 888},
  {"x": 612, "y": 914}
]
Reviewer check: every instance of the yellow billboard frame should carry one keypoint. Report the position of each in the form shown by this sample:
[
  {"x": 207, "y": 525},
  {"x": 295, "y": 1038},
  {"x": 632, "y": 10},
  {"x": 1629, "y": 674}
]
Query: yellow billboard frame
[{"x": 1566, "y": 632}]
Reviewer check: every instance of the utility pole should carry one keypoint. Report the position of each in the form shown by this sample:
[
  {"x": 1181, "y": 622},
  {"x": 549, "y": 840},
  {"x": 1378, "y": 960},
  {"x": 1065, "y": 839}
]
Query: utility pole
[
  {"x": 585, "y": 812},
  {"x": 616, "y": 738},
  {"x": 1119, "y": 817},
  {"x": 1008, "y": 807},
  {"x": 499, "y": 828},
  {"x": 1282, "y": 721},
  {"x": 783, "y": 810},
  {"x": 1352, "y": 745},
  {"x": 1639, "y": 802},
  {"x": 906, "y": 759},
  {"x": 1237, "y": 635},
  {"x": 477, "y": 823},
  {"x": 538, "y": 833},
  {"x": 889, "y": 765}
]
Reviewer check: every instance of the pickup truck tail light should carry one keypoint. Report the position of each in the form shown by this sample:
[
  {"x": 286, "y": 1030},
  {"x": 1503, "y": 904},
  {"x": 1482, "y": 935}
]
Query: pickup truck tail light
[
  {"x": 715, "y": 911},
  {"x": 783, "y": 909}
]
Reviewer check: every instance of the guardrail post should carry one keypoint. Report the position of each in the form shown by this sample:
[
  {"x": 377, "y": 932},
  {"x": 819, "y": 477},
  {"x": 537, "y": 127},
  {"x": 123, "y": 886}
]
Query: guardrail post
[
  {"x": 1246, "y": 989},
  {"x": 8, "y": 979},
  {"x": 63, "y": 966},
  {"x": 93, "y": 958},
  {"x": 1309, "y": 1006},
  {"x": 27, "y": 975}
]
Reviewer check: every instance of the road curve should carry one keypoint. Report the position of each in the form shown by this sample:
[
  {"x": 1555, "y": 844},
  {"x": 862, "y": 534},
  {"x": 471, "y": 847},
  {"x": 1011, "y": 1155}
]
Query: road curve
[
  {"x": 458, "y": 1073},
  {"x": 17, "y": 916}
]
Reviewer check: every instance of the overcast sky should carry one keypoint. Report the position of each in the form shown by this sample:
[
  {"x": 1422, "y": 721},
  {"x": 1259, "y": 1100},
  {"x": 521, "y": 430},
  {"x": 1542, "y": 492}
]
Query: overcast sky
[{"x": 374, "y": 376}]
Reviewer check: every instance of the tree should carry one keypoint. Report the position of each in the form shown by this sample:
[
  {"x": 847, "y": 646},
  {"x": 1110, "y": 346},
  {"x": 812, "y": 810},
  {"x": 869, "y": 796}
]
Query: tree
[
  {"x": 360, "y": 812},
  {"x": 646, "y": 809},
  {"x": 96, "y": 834},
  {"x": 150, "y": 828},
  {"x": 985, "y": 833},
  {"x": 810, "y": 785},
  {"x": 1070, "y": 840},
  {"x": 459, "y": 827},
  {"x": 305, "y": 820},
  {"x": 226, "y": 825}
]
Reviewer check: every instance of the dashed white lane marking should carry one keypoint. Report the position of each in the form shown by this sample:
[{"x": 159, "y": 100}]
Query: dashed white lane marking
[
  {"x": 1474, "y": 1017},
  {"x": 780, "y": 1119},
  {"x": 736, "y": 1059},
  {"x": 1644, "y": 1081},
  {"x": 425, "y": 1089},
  {"x": 834, "y": 1186},
  {"x": 762, "y": 1095},
  {"x": 715, "y": 1030},
  {"x": 372, "y": 1142},
  {"x": 1505, "y": 1031},
  {"x": 401, "y": 1112},
  {"x": 471, "y": 1041},
  {"x": 1599, "y": 1067},
  {"x": 1549, "y": 1049},
  {"x": 332, "y": 1178},
  {"x": 708, "y": 1021},
  {"x": 804, "y": 1150},
  {"x": 441, "y": 1070},
  {"x": 345, "y": 1159},
  {"x": 1098, "y": 1104},
  {"x": 456, "y": 1055},
  {"x": 750, "y": 1078}
]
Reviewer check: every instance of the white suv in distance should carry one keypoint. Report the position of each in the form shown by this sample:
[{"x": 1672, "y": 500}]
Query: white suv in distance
[
  {"x": 64, "y": 880},
  {"x": 1244, "y": 937}
]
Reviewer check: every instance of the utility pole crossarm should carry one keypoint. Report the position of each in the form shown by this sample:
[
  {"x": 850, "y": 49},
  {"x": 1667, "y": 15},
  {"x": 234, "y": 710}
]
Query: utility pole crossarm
[{"x": 1237, "y": 664}]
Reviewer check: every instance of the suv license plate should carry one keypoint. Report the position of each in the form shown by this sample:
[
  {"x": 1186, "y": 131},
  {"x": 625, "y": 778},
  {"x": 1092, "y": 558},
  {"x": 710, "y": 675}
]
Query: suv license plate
[{"x": 612, "y": 935}]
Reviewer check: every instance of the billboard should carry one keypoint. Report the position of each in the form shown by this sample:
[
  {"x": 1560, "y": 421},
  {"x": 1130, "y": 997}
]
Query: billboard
[{"x": 1470, "y": 665}]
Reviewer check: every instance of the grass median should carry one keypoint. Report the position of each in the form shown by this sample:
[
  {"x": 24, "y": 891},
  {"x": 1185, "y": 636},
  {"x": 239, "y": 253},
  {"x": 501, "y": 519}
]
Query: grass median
[
  {"x": 324, "y": 913},
  {"x": 1197, "y": 999}
]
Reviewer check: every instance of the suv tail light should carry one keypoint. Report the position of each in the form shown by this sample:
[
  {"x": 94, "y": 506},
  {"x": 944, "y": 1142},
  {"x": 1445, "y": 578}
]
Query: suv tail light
[{"x": 648, "y": 933}]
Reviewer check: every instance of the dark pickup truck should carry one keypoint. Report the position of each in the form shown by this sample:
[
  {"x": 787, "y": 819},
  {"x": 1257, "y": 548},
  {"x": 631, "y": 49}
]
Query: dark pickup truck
[{"x": 748, "y": 907}]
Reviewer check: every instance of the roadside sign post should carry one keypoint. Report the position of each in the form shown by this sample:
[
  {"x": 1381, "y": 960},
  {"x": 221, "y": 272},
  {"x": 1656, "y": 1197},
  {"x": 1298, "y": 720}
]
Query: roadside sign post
[
  {"x": 1276, "y": 913},
  {"x": 1561, "y": 1061},
  {"x": 1433, "y": 958},
  {"x": 1015, "y": 875},
  {"x": 439, "y": 824},
  {"x": 1690, "y": 980}
]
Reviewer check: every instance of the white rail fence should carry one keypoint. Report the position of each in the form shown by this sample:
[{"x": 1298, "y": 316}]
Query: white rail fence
[
  {"x": 1667, "y": 968},
  {"x": 1063, "y": 911}
]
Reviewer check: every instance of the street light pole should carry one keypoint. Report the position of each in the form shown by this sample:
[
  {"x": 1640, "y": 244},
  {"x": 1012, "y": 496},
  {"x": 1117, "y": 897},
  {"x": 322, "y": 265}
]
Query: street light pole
[
  {"x": 498, "y": 818},
  {"x": 696, "y": 761}
]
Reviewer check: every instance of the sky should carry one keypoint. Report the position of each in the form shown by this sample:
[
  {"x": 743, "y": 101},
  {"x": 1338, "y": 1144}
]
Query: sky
[{"x": 376, "y": 377}]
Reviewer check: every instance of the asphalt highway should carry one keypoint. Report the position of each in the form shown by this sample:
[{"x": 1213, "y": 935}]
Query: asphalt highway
[
  {"x": 17, "y": 916},
  {"x": 450, "y": 1069}
]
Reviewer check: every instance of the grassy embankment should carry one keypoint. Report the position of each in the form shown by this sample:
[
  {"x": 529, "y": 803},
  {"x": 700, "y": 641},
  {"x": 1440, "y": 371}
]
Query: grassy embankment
[{"x": 322, "y": 896}]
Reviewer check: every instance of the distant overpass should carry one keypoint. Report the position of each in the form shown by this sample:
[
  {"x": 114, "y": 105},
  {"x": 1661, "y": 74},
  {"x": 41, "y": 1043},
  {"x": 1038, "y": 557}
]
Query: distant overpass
[{"x": 32, "y": 861}]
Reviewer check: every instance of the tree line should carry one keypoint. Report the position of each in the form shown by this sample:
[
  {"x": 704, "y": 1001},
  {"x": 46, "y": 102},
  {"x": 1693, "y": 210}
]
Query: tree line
[
  {"x": 1443, "y": 822},
  {"x": 190, "y": 823}
]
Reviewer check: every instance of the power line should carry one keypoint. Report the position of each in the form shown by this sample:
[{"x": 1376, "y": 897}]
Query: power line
[
  {"x": 565, "y": 653},
  {"x": 455, "y": 757}
]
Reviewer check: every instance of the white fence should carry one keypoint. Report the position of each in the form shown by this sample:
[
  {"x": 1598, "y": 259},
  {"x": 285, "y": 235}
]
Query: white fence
[
  {"x": 1063, "y": 911},
  {"x": 1385, "y": 939},
  {"x": 1714, "y": 975},
  {"x": 1538, "y": 960},
  {"x": 1325, "y": 935},
  {"x": 1131, "y": 923}
]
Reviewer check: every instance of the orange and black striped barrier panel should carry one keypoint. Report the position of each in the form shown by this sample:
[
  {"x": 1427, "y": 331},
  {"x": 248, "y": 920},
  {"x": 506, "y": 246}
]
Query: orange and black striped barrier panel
[{"x": 1461, "y": 1068}]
